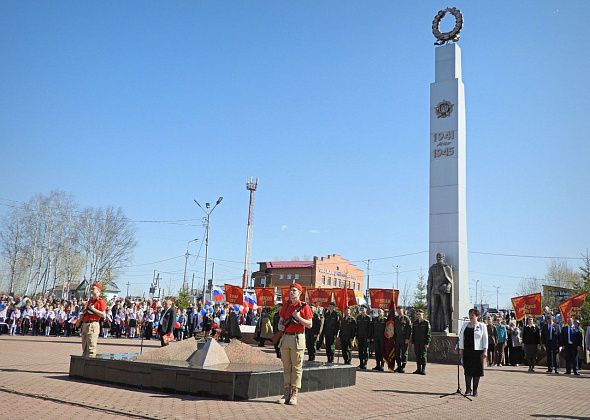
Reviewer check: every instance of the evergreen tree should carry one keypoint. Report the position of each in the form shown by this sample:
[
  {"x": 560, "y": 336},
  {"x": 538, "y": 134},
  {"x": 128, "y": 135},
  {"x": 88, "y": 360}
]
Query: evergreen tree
[
  {"x": 420, "y": 295},
  {"x": 183, "y": 299}
]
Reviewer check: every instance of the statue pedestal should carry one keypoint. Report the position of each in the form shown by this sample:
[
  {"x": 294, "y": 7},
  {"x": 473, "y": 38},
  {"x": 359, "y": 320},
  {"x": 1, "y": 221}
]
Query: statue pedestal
[{"x": 441, "y": 349}]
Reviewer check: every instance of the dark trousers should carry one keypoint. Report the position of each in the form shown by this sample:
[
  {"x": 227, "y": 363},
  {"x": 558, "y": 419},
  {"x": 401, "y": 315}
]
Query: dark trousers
[
  {"x": 491, "y": 352},
  {"x": 420, "y": 352},
  {"x": 552, "y": 357},
  {"x": 378, "y": 351},
  {"x": 26, "y": 325},
  {"x": 401, "y": 352},
  {"x": 310, "y": 344},
  {"x": 330, "y": 347},
  {"x": 363, "y": 344},
  {"x": 571, "y": 354},
  {"x": 346, "y": 346},
  {"x": 148, "y": 330},
  {"x": 318, "y": 345}
]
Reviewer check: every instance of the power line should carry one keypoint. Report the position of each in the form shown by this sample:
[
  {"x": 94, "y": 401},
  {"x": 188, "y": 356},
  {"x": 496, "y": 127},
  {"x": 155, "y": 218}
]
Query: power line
[{"x": 525, "y": 256}]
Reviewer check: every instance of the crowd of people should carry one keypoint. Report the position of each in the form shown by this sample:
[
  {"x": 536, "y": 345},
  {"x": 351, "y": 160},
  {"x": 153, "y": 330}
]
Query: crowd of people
[
  {"x": 124, "y": 318},
  {"x": 508, "y": 342}
]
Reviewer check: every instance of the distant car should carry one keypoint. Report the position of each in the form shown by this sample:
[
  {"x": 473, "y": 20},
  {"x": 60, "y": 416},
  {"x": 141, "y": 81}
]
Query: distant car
[{"x": 492, "y": 312}]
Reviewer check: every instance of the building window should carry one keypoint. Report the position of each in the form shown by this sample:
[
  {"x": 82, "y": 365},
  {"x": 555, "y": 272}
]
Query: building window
[
  {"x": 289, "y": 276},
  {"x": 296, "y": 276},
  {"x": 330, "y": 281},
  {"x": 263, "y": 281},
  {"x": 323, "y": 280},
  {"x": 281, "y": 276},
  {"x": 353, "y": 286},
  {"x": 358, "y": 286}
]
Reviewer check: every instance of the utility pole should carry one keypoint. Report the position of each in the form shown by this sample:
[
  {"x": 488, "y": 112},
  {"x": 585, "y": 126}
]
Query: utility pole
[
  {"x": 396, "y": 277},
  {"x": 251, "y": 186},
  {"x": 368, "y": 280},
  {"x": 211, "y": 289},
  {"x": 207, "y": 210},
  {"x": 184, "y": 281},
  {"x": 193, "y": 288},
  {"x": 497, "y": 300},
  {"x": 127, "y": 288},
  {"x": 476, "y": 283}
]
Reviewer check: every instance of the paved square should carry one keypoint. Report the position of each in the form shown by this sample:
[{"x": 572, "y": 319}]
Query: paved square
[{"x": 34, "y": 383}]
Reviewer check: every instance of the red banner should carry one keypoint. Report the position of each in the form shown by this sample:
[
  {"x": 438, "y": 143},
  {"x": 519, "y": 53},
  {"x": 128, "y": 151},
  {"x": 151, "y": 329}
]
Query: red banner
[
  {"x": 265, "y": 296},
  {"x": 344, "y": 298},
  {"x": 319, "y": 297},
  {"x": 574, "y": 302},
  {"x": 388, "y": 337},
  {"x": 285, "y": 294},
  {"x": 527, "y": 305},
  {"x": 234, "y": 294},
  {"x": 381, "y": 298}
]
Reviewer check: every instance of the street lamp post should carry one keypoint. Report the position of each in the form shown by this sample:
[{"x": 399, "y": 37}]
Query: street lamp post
[
  {"x": 207, "y": 210},
  {"x": 184, "y": 282}
]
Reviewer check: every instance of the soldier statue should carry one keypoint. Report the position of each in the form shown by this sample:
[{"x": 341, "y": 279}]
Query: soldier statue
[{"x": 440, "y": 295}]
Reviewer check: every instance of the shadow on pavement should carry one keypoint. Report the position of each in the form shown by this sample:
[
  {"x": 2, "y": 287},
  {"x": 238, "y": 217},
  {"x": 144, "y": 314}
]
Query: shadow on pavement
[
  {"x": 399, "y": 391},
  {"x": 154, "y": 393},
  {"x": 31, "y": 371},
  {"x": 559, "y": 416}
]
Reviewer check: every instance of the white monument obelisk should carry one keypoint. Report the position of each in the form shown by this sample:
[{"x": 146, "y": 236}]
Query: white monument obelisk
[{"x": 448, "y": 224}]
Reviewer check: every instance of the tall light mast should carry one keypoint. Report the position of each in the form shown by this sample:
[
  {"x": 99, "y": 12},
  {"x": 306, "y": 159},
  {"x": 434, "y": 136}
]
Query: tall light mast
[{"x": 251, "y": 186}]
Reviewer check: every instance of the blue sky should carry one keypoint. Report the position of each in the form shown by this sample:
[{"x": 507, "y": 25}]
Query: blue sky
[{"x": 147, "y": 106}]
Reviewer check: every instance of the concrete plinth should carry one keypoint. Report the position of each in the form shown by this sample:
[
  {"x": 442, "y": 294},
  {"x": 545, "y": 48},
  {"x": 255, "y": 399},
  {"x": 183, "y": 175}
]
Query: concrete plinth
[{"x": 442, "y": 349}]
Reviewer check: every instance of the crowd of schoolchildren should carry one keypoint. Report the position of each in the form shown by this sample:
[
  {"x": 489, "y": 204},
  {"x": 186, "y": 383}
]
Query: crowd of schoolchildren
[{"x": 128, "y": 318}]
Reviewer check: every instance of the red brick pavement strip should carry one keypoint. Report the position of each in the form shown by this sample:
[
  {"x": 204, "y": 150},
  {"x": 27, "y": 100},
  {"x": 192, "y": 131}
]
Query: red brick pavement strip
[{"x": 38, "y": 366}]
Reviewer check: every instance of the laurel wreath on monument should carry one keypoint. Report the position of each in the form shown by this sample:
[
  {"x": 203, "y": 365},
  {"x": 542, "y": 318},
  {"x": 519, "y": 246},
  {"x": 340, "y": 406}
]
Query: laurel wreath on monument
[{"x": 453, "y": 35}]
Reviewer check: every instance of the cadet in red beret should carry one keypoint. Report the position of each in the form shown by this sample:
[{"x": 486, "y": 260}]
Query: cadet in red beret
[
  {"x": 91, "y": 315},
  {"x": 295, "y": 317}
]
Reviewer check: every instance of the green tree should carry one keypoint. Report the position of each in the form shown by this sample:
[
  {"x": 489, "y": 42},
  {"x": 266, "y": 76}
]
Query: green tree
[
  {"x": 420, "y": 295},
  {"x": 183, "y": 299}
]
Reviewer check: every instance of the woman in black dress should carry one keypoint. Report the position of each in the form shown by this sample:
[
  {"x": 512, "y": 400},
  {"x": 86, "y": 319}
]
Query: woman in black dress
[{"x": 473, "y": 346}]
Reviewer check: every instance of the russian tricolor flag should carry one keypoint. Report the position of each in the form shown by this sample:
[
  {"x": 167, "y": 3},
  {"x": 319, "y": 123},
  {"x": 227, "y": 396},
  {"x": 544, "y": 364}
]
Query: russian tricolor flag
[
  {"x": 217, "y": 294},
  {"x": 250, "y": 300}
]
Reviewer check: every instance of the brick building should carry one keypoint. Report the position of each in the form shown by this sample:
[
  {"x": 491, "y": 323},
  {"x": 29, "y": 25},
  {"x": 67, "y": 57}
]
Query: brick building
[{"x": 325, "y": 272}]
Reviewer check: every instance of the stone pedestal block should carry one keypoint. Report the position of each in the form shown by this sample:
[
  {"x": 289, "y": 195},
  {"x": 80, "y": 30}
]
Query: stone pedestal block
[{"x": 441, "y": 349}]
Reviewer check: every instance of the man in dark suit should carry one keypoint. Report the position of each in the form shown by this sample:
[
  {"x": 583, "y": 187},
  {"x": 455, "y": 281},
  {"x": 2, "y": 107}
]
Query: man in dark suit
[
  {"x": 571, "y": 341},
  {"x": 167, "y": 321},
  {"x": 550, "y": 339}
]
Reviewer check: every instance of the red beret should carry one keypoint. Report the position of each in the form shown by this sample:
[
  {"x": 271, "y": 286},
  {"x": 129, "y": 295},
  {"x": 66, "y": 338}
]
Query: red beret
[
  {"x": 297, "y": 286},
  {"x": 98, "y": 286}
]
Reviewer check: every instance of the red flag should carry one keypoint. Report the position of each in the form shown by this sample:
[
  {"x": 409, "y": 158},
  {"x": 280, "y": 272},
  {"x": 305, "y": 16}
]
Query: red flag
[
  {"x": 265, "y": 296},
  {"x": 319, "y": 297},
  {"x": 344, "y": 298},
  {"x": 527, "y": 304},
  {"x": 389, "y": 339},
  {"x": 381, "y": 298},
  {"x": 234, "y": 294},
  {"x": 285, "y": 294},
  {"x": 574, "y": 302}
]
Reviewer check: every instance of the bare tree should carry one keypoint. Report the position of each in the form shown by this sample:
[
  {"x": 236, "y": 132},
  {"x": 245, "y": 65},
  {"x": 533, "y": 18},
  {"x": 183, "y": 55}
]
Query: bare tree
[
  {"x": 47, "y": 242},
  {"x": 11, "y": 241},
  {"x": 107, "y": 239},
  {"x": 405, "y": 294},
  {"x": 561, "y": 275},
  {"x": 529, "y": 285}
]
